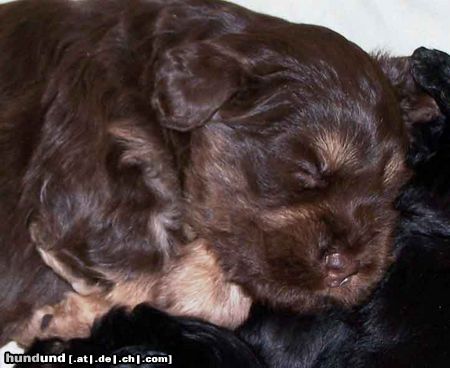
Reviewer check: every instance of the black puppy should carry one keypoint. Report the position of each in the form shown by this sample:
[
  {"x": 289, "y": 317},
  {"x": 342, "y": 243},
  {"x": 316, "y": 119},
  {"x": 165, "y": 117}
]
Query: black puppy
[
  {"x": 406, "y": 323},
  {"x": 150, "y": 333}
]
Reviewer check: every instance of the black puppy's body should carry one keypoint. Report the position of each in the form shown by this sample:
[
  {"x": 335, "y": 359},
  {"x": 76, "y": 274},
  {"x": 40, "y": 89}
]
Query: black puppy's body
[
  {"x": 148, "y": 332},
  {"x": 406, "y": 323}
]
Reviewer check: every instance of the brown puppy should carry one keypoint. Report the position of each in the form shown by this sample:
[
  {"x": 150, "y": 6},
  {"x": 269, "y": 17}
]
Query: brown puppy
[{"x": 284, "y": 144}]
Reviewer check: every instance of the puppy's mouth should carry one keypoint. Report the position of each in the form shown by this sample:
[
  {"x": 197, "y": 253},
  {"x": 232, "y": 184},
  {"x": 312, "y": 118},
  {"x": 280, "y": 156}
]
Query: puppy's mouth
[
  {"x": 345, "y": 281},
  {"x": 351, "y": 290},
  {"x": 340, "y": 270},
  {"x": 339, "y": 282}
]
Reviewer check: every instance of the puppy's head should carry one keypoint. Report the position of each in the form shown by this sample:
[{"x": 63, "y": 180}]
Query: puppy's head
[{"x": 297, "y": 154}]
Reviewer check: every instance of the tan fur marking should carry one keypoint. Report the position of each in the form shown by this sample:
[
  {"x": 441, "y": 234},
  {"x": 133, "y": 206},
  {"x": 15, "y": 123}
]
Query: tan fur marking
[
  {"x": 78, "y": 284},
  {"x": 135, "y": 139},
  {"x": 193, "y": 285},
  {"x": 393, "y": 167},
  {"x": 73, "y": 317},
  {"x": 197, "y": 287},
  {"x": 336, "y": 150},
  {"x": 285, "y": 216}
]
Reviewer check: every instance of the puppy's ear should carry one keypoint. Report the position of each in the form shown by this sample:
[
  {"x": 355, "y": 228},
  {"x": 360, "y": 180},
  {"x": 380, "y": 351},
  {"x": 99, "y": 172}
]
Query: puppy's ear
[
  {"x": 416, "y": 104},
  {"x": 423, "y": 86},
  {"x": 431, "y": 70},
  {"x": 192, "y": 83}
]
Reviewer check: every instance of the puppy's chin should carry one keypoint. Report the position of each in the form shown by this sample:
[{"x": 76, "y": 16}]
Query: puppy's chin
[
  {"x": 344, "y": 297},
  {"x": 299, "y": 299},
  {"x": 351, "y": 293}
]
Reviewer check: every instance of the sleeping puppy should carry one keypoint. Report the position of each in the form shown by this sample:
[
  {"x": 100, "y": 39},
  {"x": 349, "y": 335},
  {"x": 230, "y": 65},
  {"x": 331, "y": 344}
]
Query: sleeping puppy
[
  {"x": 406, "y": 322},
  {"x": 131, "y": 128},
  {"x": 150, "y": 333}
]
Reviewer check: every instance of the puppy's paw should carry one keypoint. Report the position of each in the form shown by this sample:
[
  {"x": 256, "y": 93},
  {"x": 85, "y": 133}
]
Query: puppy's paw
[{"x": 73, "y": 317}]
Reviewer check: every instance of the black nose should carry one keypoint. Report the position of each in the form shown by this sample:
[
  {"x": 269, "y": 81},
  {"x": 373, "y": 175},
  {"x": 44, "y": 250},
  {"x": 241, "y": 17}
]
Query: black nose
[{"x": 339, "y": 269}]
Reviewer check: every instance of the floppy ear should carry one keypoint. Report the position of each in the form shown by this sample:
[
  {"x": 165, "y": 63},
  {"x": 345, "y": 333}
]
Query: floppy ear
[
  {"x": 423, "y": 85},
  {"x": 431, "y": 70},
  {"x": 192, "y": 83},
  {"x": 416, "y": 104}
]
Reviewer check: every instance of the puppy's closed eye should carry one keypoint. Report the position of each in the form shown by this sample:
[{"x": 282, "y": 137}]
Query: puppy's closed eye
[{"x": 309, "y": 176}]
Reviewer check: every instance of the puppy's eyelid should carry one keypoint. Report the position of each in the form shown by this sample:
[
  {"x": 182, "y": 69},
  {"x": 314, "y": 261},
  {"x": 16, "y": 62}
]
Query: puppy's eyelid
[
  {"x": 323, "y": 244},
  {"x": 310, "y": 175},
  {"x": 324, "y": 169},
  {"x": 308, "y": 167}
]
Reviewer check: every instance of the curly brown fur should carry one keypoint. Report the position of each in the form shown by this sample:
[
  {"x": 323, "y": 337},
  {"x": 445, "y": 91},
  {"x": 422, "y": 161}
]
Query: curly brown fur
[{"x": 286, "y": 142}]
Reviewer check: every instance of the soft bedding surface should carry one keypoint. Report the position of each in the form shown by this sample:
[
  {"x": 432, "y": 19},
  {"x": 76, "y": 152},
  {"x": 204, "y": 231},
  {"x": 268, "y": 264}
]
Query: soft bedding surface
[{"x": 398, "y": 26}]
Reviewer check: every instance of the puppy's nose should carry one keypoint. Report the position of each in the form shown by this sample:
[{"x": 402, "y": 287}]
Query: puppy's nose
[{"x": 339, "y": 269}]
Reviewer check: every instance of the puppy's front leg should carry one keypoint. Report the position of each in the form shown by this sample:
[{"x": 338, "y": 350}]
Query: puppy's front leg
[{"x": 192, "y": 284}]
